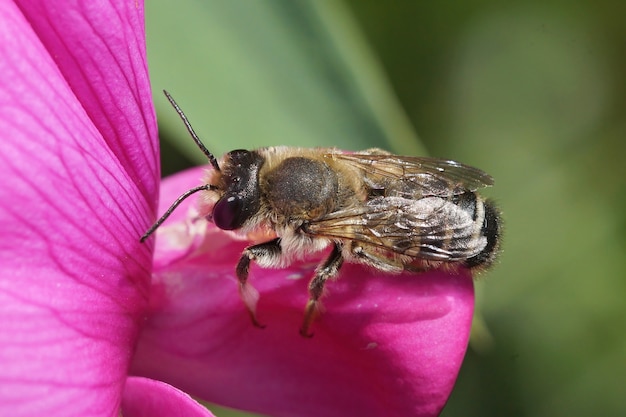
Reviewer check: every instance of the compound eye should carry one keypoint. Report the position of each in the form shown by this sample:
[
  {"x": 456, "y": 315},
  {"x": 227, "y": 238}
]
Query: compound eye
[{"x": 227, "y": 213}]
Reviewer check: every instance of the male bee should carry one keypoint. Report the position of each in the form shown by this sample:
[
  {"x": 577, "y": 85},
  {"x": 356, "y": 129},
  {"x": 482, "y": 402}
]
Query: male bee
[{"x": 393, "y": 213}]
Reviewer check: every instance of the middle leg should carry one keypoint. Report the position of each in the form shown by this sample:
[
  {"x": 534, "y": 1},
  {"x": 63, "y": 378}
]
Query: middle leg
[{"x": 328, "y": 269}]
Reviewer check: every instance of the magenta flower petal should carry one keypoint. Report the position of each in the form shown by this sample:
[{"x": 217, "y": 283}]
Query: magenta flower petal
[
  {"x": 150, "y": 398},
  {"x": 79, "y": 172},
  {"x": 99, "y": 48},
  {"x": 385, "y": 345}
]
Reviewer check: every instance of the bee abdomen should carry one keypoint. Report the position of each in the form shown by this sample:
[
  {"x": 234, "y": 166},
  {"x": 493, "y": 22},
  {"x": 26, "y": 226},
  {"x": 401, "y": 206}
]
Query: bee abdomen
[{"x": 490, "y": 230}]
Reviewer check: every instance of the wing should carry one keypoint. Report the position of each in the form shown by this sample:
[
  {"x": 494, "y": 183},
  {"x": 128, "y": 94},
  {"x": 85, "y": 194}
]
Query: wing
[
  {"x": 415, "y": 177},
  {"x": 431, "y": 228}
]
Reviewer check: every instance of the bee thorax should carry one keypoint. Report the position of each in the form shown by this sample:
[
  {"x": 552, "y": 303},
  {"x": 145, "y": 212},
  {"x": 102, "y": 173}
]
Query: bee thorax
[{"x": 302, "y": 187}]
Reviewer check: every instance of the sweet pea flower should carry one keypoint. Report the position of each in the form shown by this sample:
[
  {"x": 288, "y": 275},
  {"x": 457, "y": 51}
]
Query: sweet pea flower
[
  {"x": 80, "y": 181},
  {"x": 93, "y": 322}
]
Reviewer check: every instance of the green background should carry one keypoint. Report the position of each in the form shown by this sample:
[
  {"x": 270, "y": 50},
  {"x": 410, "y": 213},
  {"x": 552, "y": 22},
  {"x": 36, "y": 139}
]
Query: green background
[{"x": 532, "y": 92}]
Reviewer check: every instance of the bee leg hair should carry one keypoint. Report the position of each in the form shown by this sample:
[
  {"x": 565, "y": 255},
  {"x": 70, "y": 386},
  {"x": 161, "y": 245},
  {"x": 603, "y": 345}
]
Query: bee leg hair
[
  {"x": 266, "y": 253},
  {"x": 326, "y": 270}
]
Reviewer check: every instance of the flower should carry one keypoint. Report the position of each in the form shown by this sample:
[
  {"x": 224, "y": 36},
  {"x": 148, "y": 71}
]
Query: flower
[
  {"x": 90, "y": 322},
  {"x": 80, "y": 171}
]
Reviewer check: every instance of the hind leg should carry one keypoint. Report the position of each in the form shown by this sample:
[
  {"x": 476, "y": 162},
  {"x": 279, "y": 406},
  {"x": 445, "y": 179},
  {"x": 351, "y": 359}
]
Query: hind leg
[{"x": 369, "y": 256}]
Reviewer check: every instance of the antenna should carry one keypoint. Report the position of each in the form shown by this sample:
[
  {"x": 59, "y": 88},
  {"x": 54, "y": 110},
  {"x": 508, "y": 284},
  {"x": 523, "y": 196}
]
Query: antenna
[
  {"x": 195, "y": 137},
  {"x": 188, "y": 193},
  {"x": 173, "y": 207}
]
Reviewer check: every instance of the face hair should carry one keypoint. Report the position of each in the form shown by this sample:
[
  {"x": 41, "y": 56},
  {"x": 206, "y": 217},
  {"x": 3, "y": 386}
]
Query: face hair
[
  {"x": 173, "y": 207},
  {"x": 195, "y": 137}
]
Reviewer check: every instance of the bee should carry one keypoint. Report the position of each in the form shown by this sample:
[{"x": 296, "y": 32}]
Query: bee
[{"x": 392, "y": 213}]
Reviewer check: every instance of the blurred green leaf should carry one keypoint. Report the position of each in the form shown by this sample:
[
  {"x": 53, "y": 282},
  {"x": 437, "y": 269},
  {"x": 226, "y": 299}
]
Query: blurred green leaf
[
  {"x": 260, "y": 73},
  {"x": 531, "y": 88}
]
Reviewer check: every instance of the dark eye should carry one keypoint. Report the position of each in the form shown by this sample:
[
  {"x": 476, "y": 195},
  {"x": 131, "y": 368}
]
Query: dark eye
[{"x": 227, "y": 213}]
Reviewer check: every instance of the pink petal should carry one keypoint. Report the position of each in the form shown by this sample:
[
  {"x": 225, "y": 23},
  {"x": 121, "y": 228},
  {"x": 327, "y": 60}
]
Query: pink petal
[
  {"x": 150, "y": 398},
  {"x": 99, "y": 48},
  {"x": 73, "y": 276},
  {"x": 385, "y": 345}
]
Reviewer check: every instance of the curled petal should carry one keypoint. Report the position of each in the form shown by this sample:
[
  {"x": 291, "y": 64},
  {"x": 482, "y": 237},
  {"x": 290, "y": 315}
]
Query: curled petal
[
  {"x": 384, "y": 345},
  {"x": 73, "y": 276},
  {"x": 150, "y": 398}
]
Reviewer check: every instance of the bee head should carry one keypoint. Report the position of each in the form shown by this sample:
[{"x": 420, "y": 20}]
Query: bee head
[
  {"x": 239, "y": 183},
  {"x": 236, "y": 184}
]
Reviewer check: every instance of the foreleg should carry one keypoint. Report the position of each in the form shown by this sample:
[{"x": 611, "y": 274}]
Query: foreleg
[{"x": 267, "y": 253}]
